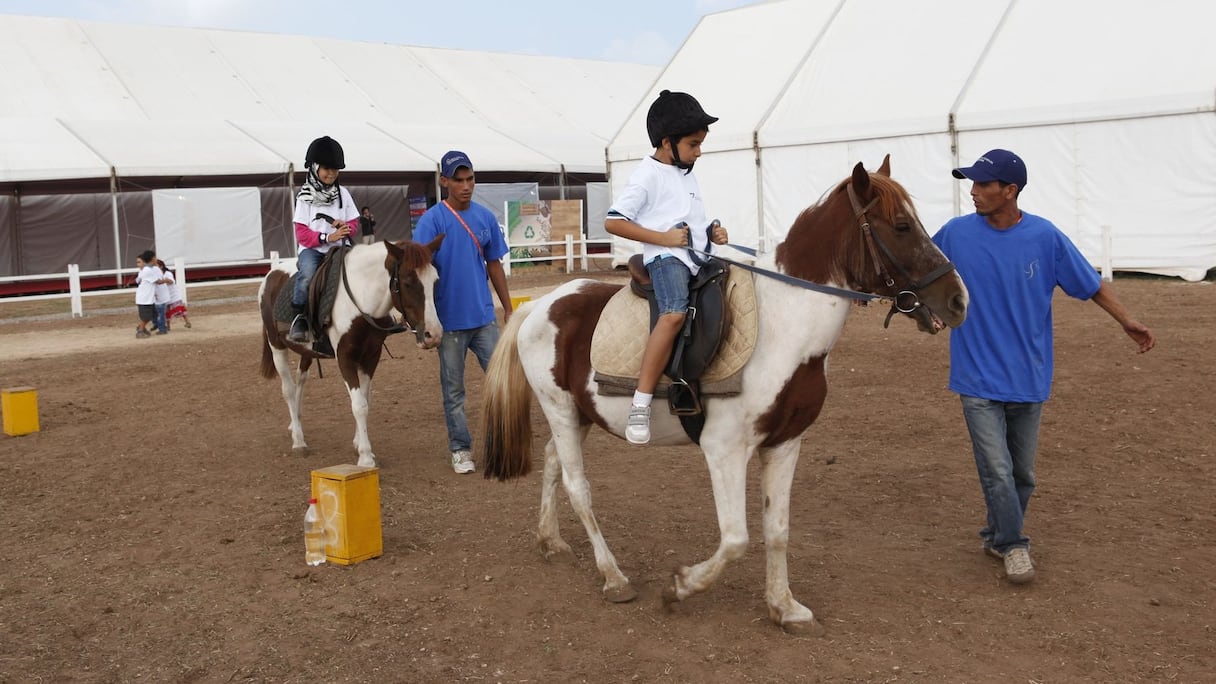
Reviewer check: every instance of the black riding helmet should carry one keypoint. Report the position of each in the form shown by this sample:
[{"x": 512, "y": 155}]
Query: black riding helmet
[
  {"x": 675, "y": 115},
  {"x": 325, "y": 151}
]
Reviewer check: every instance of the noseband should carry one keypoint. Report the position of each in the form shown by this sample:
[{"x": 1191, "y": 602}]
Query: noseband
[{"x": 906, "y": 300}]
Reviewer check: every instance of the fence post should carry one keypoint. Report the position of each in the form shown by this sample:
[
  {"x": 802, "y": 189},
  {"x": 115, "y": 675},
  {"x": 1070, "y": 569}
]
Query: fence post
[
  {"x": 582, "y": 241},
  {"x": 569, "y": 253},
  {"x": 274, "y": 260},
  {"x": 74, "y": 288}
]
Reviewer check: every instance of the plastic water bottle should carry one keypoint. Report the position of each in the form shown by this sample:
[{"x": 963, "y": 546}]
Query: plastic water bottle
[{"x": 314, "y": 535}]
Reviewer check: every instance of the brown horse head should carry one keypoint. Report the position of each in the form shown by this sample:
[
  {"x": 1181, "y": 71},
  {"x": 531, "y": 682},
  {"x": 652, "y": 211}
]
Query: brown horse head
[
  {"x": 411, "y": 279},
  {"x": 865, "y": 235}
]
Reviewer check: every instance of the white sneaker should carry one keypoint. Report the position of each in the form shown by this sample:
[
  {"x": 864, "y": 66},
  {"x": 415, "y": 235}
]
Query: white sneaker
[
  {"x": 1018, "y": 567},
  {"x": 462, "y": 461},
  {"x": 637, "y": 429}
]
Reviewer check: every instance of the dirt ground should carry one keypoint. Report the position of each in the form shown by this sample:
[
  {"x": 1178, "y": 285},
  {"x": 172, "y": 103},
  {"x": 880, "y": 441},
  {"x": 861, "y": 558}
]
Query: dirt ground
[{"x": 152, "y": 528}]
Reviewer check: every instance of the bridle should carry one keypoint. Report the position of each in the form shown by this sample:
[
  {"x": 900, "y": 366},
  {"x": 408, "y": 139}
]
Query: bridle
[
  {"x": 906, "y": 300},
  {"x": 397, "y": 295}
]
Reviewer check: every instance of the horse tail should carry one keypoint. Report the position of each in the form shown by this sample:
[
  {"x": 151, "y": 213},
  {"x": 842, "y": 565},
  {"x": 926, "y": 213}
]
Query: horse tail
[
  {"x": 268, "y": 369},
  {"x": 507, "y": 407}
]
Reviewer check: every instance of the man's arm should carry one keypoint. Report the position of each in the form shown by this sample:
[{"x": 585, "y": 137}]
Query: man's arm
[
  {"x": 1140, "y": 334},
  {"x": 498, "y": 278}
]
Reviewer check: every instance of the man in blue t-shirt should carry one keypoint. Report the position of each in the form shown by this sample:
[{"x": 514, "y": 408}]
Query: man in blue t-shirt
[
  {"x": 1001, "y": 358},
  {"x": 469, "y": 258}
]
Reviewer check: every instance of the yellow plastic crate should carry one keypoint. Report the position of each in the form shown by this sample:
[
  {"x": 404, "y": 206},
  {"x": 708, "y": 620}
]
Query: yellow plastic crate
[
  {"x": 517, "y": 301},
  {"x": 20, "y": 408},
  {"x": 348, "y": 497}
]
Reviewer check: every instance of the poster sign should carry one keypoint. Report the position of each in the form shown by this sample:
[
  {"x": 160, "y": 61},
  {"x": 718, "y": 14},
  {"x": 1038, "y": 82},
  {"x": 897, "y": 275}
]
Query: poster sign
[{"x": 528, "y": 229}]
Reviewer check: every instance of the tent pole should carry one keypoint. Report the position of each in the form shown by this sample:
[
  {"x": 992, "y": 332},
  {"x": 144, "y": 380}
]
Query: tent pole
[
  {"x": 117, "y": 238},
  {"x": 291, "y": 208},
  {"x": 761, "y": 242},
  {"x": 954, "y": 161},
  {"x": 562, "y": 180}
]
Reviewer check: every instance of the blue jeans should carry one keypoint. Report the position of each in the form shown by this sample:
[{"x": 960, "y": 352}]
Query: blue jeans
[
  {"x": 1004, "y": 438},
  {"x": 306, "y": 263},
  {"x": 453, "y": 348},
  {"x": 159, "y": 321},
  {"x": 670, "y": 277}
]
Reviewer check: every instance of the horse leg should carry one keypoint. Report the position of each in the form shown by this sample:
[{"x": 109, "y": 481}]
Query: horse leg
[
  {"x": 777, "y": 475},
  {"x": 292, "y": 383},
  {"x": 548, "y": 536},
  {"x": 567, "y": 442},
  {"x": 727, "y": 463},
  {"x": 359, "y": 397}
]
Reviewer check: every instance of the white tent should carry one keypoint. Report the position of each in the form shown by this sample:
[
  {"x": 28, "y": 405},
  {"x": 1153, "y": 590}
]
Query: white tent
[
  {"x": 1111, "y": 103},
  {"x": 101, "y": 115}
]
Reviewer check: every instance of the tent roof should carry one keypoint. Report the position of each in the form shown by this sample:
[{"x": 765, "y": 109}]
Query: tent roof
[
  {"x": 182, "y": 101},
  {"x": 1052, "y": 62},
  {"x": 814, "y": 72}
]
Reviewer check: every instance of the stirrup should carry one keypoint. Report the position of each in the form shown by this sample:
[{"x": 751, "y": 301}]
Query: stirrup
[
  {"x": 682, "y": 399},
  {"x": 299, "y": 330}
]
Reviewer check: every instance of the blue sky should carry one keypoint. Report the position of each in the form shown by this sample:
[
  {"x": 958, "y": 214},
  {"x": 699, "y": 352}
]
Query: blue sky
[{"x": 642, "y": 31}]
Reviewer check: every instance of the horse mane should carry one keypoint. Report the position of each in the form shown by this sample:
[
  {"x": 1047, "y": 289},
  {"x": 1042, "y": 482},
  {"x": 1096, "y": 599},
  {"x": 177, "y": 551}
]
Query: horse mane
[
  {"x": 830, "y": 223},
  {"x": 414, "y": 256}
]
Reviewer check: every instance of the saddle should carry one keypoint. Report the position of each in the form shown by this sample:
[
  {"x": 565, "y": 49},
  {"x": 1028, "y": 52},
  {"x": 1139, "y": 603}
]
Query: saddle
[
  {"x": 322, "y": 293},
  {"x": 695, "y": 354}
]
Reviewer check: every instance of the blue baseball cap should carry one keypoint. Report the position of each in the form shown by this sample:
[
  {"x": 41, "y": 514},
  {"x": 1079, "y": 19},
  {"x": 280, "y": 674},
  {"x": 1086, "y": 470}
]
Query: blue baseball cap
[
  {"x": 995, "y": 165},
  {"x": 453, "y": 160}
]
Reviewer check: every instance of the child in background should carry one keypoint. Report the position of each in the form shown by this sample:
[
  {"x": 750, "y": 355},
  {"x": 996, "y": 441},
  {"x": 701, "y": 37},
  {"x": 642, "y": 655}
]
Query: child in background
[
  {"x": 145, "y": 292},
  {"x": 176, "y": 308},
  {"x": 163, "y": 295},
  {"x": 660, "y": 198}
]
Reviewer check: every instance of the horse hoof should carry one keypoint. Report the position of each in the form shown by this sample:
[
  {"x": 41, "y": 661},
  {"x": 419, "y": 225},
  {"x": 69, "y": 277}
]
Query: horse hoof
[
  {"x": 623, "y": 594},
  {"x": 367, "y": 462},
  {"x": 556, "y": 551},
  {"x": 809, "y": 628},
  {"x": 670, "y": 597}
]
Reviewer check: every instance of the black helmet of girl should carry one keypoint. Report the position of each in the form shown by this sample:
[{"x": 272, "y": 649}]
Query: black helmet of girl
[{"x": 325, "y": 151}]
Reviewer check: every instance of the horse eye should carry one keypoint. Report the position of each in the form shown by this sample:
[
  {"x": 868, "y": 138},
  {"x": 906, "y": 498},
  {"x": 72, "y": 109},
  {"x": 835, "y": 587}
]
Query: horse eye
[{"x": 903, "y": 226}]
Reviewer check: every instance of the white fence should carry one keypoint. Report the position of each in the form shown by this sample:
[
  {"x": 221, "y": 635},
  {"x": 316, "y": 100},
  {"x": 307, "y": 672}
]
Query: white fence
[{"x": 76, "y": 295}]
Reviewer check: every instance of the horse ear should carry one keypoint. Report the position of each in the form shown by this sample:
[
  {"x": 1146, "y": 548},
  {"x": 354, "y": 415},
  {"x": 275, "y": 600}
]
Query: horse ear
[
  {"x": 433, "y": 245},
  {"x": 885, "y": 169},
  {"x": 861, "y": 180},
  {"x": 394, "y": 250}
]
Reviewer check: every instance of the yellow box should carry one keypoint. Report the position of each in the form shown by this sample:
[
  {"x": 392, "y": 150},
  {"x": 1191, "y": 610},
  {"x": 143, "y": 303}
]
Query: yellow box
[
  {"x": 516, "y": 301},
  {"x": 348, "y": 497},
  {"x": 20, "y": 408}
]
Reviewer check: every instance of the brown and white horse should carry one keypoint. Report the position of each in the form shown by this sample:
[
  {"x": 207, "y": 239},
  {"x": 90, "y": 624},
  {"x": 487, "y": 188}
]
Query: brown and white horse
[
  {"x": 379, "y": 278},
  {"x": 855, "y": 237}
]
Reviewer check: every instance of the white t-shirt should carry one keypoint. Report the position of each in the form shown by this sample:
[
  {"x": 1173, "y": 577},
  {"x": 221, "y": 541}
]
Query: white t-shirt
[
  {"x": 659, "y": 196},
  {"x": 164, "y": 291},
  {"x": 145, "y": 292},
  {"x": 306, "y": 214}
]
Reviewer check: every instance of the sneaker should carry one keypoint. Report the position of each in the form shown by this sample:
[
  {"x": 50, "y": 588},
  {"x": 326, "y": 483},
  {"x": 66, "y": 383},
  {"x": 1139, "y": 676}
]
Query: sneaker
[
  {"x": 637, "y": 429},
  {"x": 140, "y": 334},
  {"x": 462, "y": 462},
  {"x": 187, "y": 324},
  {"x": 162, "y": 332},
  {"x": 991, "y": 551},
  {"x": 1018, "y": 568}
]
